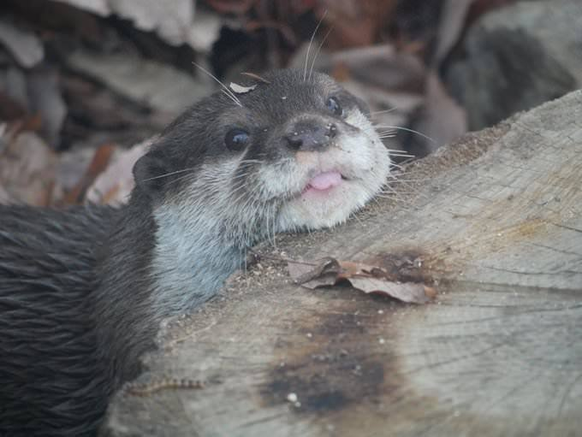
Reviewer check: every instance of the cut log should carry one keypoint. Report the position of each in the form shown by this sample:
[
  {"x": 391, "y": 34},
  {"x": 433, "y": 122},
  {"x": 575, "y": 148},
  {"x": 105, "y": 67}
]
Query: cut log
[{"x": 494, "y": 220}]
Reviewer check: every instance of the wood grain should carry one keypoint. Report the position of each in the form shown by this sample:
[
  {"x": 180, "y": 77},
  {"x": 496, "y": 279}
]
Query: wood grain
[{"x": 497, "y": 220}]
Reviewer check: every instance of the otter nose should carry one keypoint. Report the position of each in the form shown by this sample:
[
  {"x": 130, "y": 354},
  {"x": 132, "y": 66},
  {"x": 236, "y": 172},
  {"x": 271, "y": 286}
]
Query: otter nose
[{"x": 310, "y": 135}]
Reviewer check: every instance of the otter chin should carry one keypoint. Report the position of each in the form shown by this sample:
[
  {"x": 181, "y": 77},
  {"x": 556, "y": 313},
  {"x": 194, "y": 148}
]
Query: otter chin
[
  {"x": 341, "y": 179},
  {"x": 83, "y": 290}
]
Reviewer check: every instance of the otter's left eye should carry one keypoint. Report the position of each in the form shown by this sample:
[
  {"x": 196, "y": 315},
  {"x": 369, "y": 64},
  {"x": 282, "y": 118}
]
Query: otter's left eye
[
  {"x": 334, "y": 106},
  {"x": 236, "y": 139}
]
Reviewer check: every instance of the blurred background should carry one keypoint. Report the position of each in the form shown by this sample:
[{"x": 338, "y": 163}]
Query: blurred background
[{"x": 86, "y": 84}]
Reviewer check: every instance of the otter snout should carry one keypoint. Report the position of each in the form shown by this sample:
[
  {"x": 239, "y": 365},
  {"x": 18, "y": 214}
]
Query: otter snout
[{"x": 310, "y": 134}]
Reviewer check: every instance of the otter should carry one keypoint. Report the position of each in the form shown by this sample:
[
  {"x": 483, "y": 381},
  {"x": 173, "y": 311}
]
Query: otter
[{"x": 83, "y": 289}]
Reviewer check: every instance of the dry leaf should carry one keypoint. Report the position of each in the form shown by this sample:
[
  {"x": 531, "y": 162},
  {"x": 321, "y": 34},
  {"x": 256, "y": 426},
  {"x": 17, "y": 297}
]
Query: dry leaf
[
  {"x": 114, "y": 185},
  {"x": 25, "y": 46},
  {"x": 98, "y": 164},
  {"x": 411, "y": 292},
  {"x": 313, "y": 275},
  {"x": 157, "y": 85},
  {"x": 365, "y": 277},
  {"x": 170, "y": 19},
  {"x": 27, "y": 169}
]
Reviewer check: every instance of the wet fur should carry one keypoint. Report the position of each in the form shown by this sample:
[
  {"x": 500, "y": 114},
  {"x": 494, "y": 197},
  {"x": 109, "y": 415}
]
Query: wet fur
[
  {"x": 83, "y": 290},
  {"x": 51, "y": 372}
]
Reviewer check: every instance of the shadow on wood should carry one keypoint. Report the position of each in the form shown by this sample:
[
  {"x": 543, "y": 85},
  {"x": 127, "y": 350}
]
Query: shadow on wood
[{"x": 498, "y": 219}]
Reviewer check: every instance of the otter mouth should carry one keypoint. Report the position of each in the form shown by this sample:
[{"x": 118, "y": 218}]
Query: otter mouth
[{"x": 323, "y": 183}]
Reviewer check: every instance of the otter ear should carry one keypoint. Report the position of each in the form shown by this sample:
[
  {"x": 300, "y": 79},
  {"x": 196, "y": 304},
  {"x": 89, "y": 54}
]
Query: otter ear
[{"x": 148, "y": 173}]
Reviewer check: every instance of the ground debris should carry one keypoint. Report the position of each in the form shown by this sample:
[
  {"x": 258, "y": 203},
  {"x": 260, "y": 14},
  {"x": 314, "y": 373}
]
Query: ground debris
[{"x": 364, "y": 277}]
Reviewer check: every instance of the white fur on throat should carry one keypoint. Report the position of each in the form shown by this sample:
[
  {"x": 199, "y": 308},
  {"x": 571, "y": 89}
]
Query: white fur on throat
[{"x": 196, "y": 243}]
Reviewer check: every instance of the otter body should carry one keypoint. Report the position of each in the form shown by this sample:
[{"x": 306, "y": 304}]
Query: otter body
[{"x": 83, "y": 290}]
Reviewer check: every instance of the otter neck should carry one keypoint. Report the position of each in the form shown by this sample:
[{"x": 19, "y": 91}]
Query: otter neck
[{"x": 193, "y": 256}]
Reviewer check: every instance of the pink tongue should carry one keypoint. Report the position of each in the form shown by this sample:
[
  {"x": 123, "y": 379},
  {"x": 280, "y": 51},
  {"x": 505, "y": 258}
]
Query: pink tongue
[{"x": 326, "y": 180}]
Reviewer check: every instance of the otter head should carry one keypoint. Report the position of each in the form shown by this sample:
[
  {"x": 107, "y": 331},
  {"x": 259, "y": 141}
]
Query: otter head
[{"x": 286, "y": 153}]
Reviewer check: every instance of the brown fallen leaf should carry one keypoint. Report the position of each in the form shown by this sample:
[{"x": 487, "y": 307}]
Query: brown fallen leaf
[
  {"x": 410, "y": 292},
  {"x": 98, "y": 164},
  {"x": 114, "y": 185},
  {"x": 27, "y": 168},
  {"x": 364, "y": 277},
  {"x": 312, "y": 275}
]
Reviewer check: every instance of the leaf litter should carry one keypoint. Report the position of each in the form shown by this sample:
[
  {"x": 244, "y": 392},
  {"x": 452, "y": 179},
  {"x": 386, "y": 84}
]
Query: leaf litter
[
  {"x": 368, "y": 278},
  {"x": 117, "y": 85}
]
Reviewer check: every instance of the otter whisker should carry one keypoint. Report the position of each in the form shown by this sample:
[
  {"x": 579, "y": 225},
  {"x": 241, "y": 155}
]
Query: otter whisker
[
  {"x": 398, "y": 152},
  {"x": 386, "y": 133},
  {"x": 400, "y": 179},
  {"x": 181, "y": 178},
  {"x": 246, "y": 165},
  {"x": 388, "y": 189},
  {"x": 226, "y": 90},
  {"x": 385, "y": 111},
  {"x": 274, "y": 230},
  {"x": 230, "y": 97},
  {"x": 245, "y": 258},
  {"x": 310, "y": 43},
  {"x": 317, "y": 52},
  {"x": 404, "y": 183},
  {"x": 402, "y": 155},
  {"x": 170, "y": 174},
  {"x": 390, "y": 193},
  {"x": 395, "y": 150},
  {"x": 269, "y": 236},
  {"x": 407, "y": 130},
  {"x": 355, "y": 217}
]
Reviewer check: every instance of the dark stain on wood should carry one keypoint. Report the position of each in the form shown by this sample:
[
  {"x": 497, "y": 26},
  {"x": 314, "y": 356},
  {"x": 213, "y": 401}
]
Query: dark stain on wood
[{"x": 333, "y": 361}]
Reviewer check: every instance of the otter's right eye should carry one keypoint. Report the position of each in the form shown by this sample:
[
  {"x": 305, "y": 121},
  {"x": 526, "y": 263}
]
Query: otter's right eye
[
  {"x": 334, "y": 106},
  {"x": 236, "y": 139}
]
